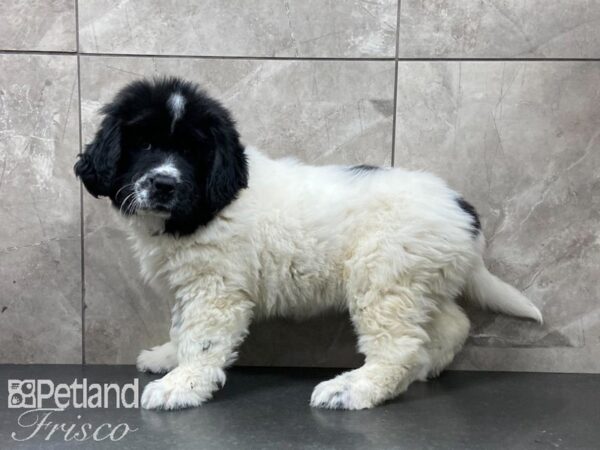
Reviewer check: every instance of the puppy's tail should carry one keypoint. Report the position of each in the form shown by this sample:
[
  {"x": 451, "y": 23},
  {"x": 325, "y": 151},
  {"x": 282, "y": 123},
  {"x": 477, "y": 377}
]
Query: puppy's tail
[{"x": 489, "y": 291}]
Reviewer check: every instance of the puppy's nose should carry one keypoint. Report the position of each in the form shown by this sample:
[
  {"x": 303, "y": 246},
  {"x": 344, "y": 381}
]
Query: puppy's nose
[{"x": 163, "y": 184}]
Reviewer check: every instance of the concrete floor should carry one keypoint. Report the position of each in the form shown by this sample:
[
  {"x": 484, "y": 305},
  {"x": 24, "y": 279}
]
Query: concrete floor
[{"x": 268, "y": 409}]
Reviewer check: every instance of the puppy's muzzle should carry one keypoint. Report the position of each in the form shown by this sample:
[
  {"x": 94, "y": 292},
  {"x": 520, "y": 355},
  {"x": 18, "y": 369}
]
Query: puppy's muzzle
[{"x": 159, "y": 190}]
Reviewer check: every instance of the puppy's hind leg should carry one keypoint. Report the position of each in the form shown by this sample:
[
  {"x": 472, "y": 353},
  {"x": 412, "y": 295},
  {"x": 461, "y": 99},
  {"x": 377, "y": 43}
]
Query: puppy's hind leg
[
  {"x": 392, "y": 338},
  {"x": 448, "y": 330}
]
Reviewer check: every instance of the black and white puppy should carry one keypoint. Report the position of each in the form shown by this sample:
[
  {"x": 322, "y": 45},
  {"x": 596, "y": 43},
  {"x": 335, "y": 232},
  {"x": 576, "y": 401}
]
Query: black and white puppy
[{"x": 234, "y": 235}]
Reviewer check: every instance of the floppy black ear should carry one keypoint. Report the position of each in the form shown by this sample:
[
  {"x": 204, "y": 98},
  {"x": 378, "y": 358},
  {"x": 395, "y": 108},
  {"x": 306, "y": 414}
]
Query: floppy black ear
[
  {"x": 97, "y": 165},
  {"x": 229, "y": 171}
]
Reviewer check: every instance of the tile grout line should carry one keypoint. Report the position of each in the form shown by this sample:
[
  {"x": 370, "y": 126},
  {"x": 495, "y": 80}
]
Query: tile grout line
[
  {"x": 239, "y": 57},
  {"x": 296, "y": 58},
  {"x": 208, "y": 57},
  {"x": 395, "y": 102},
  {"x": 495, "y": 59},
  {"x": 81, "y": 215}
]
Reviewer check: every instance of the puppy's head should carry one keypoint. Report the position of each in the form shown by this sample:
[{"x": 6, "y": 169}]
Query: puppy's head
[{"x": 165, "y": 149}]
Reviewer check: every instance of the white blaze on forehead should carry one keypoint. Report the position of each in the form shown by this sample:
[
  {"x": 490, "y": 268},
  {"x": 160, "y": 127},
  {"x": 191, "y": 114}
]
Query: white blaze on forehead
[{"x": 176, "y": 104}]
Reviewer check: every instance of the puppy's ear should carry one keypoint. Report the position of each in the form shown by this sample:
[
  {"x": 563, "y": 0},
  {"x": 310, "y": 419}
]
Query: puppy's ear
[
  {"x": 97, "y": 165},
  {"x": 229, "y": 171}
]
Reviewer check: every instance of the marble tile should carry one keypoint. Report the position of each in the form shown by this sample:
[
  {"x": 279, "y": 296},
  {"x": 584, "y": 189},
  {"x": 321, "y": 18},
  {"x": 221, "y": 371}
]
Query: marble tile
[
  {"x": 323, "y": 341},
  {"x": 291, "y": 28},
  {"x": 521, "y": 142},
  {"x": 123, "y": 315},
  {"x": 40, "y": 260},
  {"x": 38, "y": 25},
  {"x": 499, "y": 29},
  {"x": 322, "y": 112}
]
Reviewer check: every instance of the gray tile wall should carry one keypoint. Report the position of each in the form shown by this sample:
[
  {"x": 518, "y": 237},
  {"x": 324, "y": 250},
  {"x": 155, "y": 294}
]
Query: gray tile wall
[{"x": 500, "y": 98}]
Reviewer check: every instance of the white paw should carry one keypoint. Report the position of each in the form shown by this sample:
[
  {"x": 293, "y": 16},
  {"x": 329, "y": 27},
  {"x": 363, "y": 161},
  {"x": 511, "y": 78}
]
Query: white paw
[
  {"x": 182, "y": 388},
  {"x": 343, "y": 392},
  {"x": 160, "y": 359}
]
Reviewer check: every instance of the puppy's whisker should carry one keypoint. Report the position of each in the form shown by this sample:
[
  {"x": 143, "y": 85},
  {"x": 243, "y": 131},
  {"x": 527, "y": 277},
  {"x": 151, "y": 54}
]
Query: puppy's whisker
[
  {"x": 124, "y": 203},
  {"x": 134, "y": 205},
  {"x": 128, "y": 185},
  {"x": 124, "y": 187}
]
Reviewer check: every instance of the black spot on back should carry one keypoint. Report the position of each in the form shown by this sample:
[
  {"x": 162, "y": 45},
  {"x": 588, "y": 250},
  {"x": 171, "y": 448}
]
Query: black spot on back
[
  {"x": 470, "y": 209},
  {"x": 363, "y": 168}
]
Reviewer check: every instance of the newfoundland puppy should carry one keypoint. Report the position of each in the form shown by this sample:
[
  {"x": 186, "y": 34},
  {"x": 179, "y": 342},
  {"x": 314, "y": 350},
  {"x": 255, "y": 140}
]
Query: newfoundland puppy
[{"x": 233, "y": 235}]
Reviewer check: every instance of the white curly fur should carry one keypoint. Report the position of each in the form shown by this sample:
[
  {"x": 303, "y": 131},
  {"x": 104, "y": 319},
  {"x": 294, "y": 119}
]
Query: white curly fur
[{"x": 390, "y": 246}]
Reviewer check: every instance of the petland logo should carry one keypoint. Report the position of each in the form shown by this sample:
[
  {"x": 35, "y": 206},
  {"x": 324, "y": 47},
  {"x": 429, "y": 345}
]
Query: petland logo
[{"x": 42, "y": 398}]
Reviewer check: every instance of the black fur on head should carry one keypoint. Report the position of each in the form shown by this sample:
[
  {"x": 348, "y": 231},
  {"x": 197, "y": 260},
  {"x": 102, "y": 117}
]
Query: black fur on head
[{"x": 165, "y": 148}]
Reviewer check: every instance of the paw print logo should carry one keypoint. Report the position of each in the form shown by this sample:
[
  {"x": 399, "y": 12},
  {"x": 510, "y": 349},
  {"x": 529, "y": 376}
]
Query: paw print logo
[{"x": 21, "y": 393}]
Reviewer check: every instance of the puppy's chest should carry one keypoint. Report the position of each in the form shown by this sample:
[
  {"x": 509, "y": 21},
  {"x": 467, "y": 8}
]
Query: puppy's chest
[{"x": 285, "y": 273}]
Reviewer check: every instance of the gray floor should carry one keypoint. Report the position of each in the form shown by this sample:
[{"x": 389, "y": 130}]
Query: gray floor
[{"x": 268, "y": 409}]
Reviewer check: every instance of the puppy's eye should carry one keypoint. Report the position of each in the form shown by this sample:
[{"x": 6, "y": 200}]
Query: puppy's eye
[{"x": 146, "y": 147}]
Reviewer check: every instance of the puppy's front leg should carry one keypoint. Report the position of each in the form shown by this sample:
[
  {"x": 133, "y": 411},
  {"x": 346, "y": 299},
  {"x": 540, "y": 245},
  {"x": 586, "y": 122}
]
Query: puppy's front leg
[
  {"x": 210, "y": 330},
  {"x": 159, "y": 359}
]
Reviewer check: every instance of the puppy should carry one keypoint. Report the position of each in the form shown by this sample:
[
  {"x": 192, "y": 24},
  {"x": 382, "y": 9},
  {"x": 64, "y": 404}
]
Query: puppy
[{"x": 234, "y": 235}]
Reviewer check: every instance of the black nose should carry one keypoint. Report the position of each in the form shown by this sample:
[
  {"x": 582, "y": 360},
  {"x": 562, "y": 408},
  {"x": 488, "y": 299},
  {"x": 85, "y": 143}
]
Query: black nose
[{"x": 163, "y": 184}]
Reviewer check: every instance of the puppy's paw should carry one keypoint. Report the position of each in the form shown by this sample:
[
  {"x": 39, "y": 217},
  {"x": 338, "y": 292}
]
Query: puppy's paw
[
  {"x": 182, "y": 388},
  {"x": 343, "y": 392},
  {"x": 161, "y": 394},
  {"x": 160, "y": 359}
]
